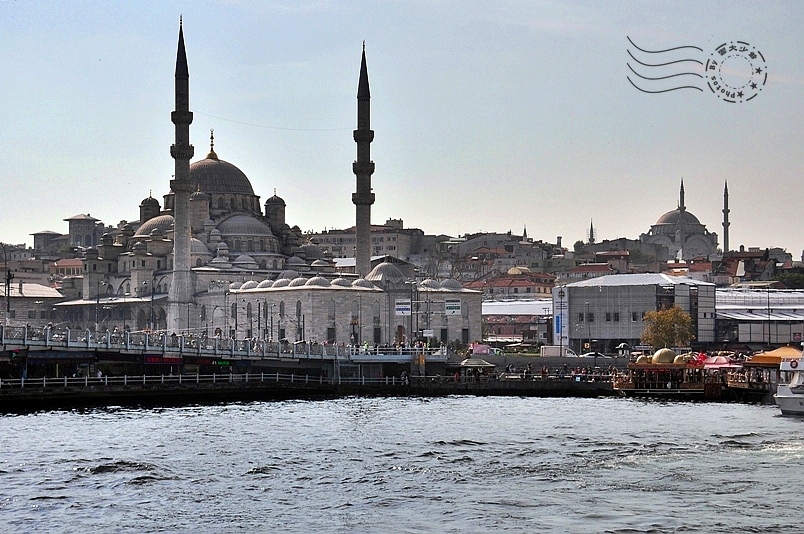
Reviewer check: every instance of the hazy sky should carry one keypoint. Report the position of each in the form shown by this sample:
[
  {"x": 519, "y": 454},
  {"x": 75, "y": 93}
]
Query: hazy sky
[{"x": 488, "y": 116}]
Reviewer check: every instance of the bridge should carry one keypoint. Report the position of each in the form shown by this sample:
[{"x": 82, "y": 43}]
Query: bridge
[{"x": 15, "y": 338}]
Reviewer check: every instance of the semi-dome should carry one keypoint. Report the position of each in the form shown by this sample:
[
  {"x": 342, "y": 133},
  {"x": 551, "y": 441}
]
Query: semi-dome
[
  {"x": 161, "y": 222},
  {"x": 244, "y": 225},
  {"x": 678, "y": 216},
  {"x": 214, "y": 175},
  {"x": 385, "y": 272},
  {"x": 663, "y": 356},
  {"x": 198, "y": 247}
]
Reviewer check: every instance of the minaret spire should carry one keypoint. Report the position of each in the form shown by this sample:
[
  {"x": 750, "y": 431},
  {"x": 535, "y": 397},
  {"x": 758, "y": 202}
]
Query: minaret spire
[
  {"x": 726, "y": 222},
  {"x": 181, "y": 292},
  {"x": 681, "y": 197},
  {"x": 363, "y": 168}
]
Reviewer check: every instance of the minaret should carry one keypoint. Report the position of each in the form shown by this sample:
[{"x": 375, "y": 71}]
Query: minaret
[
  {"x": 591, "y": 240},
  {"x": 726, "y": 222},
  {"x": 681, "y": 197},
  {"x": 363, "y": 168},
  {"x": 181, "y": 291}
]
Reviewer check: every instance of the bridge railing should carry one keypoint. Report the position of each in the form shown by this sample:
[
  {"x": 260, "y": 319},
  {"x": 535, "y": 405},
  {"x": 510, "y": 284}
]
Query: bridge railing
[
  {"x": 147, "y": 381},
  {"x": 181, "y": 344}
]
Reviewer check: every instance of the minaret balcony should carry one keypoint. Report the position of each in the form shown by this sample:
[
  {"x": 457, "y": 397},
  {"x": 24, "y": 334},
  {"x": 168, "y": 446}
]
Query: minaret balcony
[
  {"x": 363, "y": 136},
  {"x": 362, "y": 199},
  {"x": 181, "y": 117},
  {"x": 363, "y": 167},
  {"x": 182, "y": 152}
]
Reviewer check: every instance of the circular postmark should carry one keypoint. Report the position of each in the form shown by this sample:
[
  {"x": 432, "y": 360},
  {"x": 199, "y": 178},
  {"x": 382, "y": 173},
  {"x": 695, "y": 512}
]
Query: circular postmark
[{"x": 736, "y": 72}]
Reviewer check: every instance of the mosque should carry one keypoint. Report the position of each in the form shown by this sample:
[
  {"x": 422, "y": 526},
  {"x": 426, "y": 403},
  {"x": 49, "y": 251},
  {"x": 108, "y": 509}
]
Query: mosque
[
  {"x": 683, "y": 234},
  {"x": 212, "y": 260}
]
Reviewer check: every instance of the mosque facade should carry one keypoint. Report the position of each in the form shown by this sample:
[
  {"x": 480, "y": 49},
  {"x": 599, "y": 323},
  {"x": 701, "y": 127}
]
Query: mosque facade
[
  {"x": 212, "y": 260},
  {"x": 682, "y": 233}
]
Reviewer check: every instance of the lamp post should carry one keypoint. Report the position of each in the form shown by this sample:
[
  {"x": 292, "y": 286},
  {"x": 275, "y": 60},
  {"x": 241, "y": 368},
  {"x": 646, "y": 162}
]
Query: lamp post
[
  {"x": 8, "y": 277},
  {"x": 588, "y": 328},
  {"x": 560, "y": 322},
  {"x": 272, "y": 322}
]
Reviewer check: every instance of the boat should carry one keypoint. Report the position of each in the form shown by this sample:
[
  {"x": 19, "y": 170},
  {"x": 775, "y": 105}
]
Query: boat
[
  {"x": 666, "y": 375},
  {"x": 760, "y": 375},
  {"x": 790, "y": 396}
]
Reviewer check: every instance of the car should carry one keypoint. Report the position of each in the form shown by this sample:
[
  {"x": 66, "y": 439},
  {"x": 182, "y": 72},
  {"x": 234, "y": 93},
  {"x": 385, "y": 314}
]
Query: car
[{"x": 594, "y": 355}]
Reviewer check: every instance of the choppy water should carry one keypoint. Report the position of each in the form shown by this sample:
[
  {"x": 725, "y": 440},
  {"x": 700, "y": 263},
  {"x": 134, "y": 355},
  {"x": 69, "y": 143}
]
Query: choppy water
[{"x": 458, "y": 464}]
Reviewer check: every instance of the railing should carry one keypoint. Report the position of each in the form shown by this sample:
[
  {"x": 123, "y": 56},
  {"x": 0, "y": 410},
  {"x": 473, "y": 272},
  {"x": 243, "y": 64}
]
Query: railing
[
  {"x": 127, "y": 381},
  {"x": 191, "y": 344}
]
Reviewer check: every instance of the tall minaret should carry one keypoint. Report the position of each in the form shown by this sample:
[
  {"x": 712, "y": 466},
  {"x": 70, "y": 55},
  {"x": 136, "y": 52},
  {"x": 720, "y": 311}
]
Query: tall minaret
[
  {"x": 363, "y": 168},
  {"x": 181, "y": 291},
  {"x": 726, "y": 222},
  {"x": 681, "y": 197}
]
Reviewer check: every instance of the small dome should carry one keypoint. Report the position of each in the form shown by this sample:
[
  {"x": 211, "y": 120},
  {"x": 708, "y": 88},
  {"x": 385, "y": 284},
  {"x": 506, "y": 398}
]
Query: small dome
[
  {"x": 150, "y": 201},
  {"x": 342, "y": 282},
  {"x": 234, "y": 285},
  {"x": 362, "y": 282},
  {"x": 386, "y": 272},
  {"x": 663, "y": 356},
  {"x": 214, "y": 175},
  {"x": 642, "y": 359},
  {"x": 319, "y": 263},
  {"x": 518, "y": 269},
  {"x": 295, "y": 261},
  {"x": 275, "y": 200},
  {"x": 319, "y": 281},
  {"x": 199, "y": 196},
  {"x": 282, "y": 282},
  {"x": 246, "y": 262},
  {"x": 430, "y": 284},
  {"x": 311, "y": 252},
  {"x": 265, "y": 284},
  {"x": 296, "y": 282},
  {"x": 451, "y": 284},
  {"x": 681, "y": 358},
  {"x": 251, "y": 284},
  {"x": 162, "y": 222}
]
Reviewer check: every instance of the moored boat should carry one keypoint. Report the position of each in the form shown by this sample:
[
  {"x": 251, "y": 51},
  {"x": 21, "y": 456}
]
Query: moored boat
[{"x": 790, "y": 396}]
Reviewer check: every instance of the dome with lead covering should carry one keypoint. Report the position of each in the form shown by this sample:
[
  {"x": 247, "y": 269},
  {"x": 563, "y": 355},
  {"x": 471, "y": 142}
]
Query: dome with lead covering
[
  {"x": 342, "y": 282},
  {"x": 214, "y": 175},
  {"x": 362, "y": 282},
  {"x": 678, "y": 216},
  {"x": 163, "y": 223},
  {"x": 319, "y": 281},
  {"x": 250, "y": 284},
  {"x": 282, "y": 282},
  {"x": 385, "y": 271},
  {"x": 265, "y": 284},
  {"x": 451, "y": 284},
  {"x": 296, "y": 282}
]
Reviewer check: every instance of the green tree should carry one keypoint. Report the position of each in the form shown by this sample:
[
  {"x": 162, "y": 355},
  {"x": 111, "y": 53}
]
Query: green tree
[
  {"x": 670, "y": 327},
  {"x": 792, "y": 280}
]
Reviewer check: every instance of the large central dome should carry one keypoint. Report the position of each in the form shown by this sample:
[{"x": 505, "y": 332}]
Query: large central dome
[
  {"x": 678, "y": 216},
  {"x": 212, "y": 175}
]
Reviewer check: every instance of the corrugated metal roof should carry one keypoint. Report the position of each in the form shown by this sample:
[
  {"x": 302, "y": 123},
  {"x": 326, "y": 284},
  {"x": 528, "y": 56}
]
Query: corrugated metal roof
[
  {"x": 648, "y": 279},
  {"x": 518, "y": 307},
  {"x": 760, "y": 316},
  {"x": 30, "y": 290}
]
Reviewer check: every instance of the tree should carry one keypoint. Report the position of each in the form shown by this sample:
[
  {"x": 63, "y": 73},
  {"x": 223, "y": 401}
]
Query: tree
[
  {"x": 792, "y": 280},
  {"x": 670, "y": 327}
]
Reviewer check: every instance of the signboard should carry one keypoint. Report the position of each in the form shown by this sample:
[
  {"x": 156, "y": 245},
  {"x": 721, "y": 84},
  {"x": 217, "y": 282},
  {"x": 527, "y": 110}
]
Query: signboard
[
  {"x": 452, "y": 306},
  {"x": 427, "y": 333},
  {"x": 402, "y": 307}
]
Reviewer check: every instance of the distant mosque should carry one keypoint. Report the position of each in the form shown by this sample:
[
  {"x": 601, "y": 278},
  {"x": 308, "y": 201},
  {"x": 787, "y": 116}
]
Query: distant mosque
[{"x": 683, "y": 234}]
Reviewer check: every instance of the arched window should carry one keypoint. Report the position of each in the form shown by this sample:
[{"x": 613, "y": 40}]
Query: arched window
[
  {"x": 274, "y": 264},
  {"x": 232, "y": 203},
  {"x": 236, "y": 245},
  {"x": 243, "y": 204},
  {"x": 250, "y": 245},
  {"x": 234, "y": 310},
  {"x": 248, "y": 310},
  {"x": 88, "y": 241},
  {"x": 203, "y": 313},
  {"x": 262, "y": 265},
  {"x": 221, "y": 203},
  {"x": 281, "y": 308},
  {"x": 198, "y": 262},
  {"x": 78, "y": 239},
  {"x": 262, "y": 245}
]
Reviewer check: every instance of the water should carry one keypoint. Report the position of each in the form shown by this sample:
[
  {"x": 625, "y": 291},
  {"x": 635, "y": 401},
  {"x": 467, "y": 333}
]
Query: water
[{"x": 457, "y": 464}]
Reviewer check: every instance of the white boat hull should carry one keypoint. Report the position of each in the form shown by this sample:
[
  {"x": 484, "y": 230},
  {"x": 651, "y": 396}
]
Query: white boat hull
[{"x": 790, "y": 403}]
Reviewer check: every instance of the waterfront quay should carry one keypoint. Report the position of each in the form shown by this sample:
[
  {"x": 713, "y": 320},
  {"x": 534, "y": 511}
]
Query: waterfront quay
[{"x": 41, "y": 368}]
